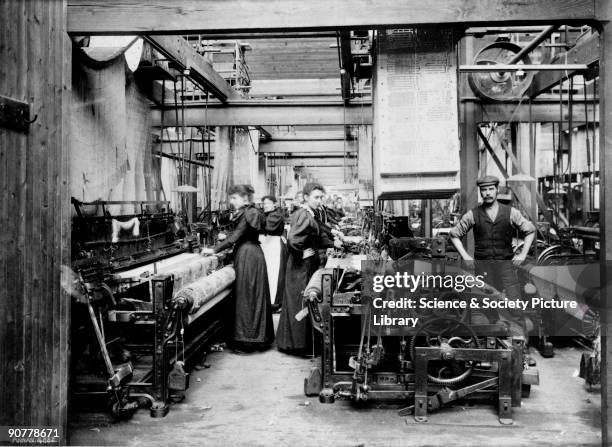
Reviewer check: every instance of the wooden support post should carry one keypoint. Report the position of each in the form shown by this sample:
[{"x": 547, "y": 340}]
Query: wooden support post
[
  {"x": 346, "y": 62},
  {"x": 605, "y": 204},
  {"x": 469, "y": 161}
]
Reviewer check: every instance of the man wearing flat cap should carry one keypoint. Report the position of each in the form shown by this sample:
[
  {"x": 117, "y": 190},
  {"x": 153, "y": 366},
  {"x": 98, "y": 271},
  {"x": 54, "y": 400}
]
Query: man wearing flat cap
[{"x": 494, "y": 225}]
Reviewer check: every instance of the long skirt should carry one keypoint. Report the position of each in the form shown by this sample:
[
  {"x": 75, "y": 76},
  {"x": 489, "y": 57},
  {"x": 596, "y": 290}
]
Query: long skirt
[
  {"x": 253, "y": 312},
  {"x": 294, "y": 335},
  {"x": 275, "y": 252}
]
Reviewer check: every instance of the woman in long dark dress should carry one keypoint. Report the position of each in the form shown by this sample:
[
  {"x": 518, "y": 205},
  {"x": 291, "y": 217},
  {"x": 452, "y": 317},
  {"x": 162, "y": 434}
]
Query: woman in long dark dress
[
  {"x": 274, "y": 249},
  {"x": 252, "y": 322},
  {"x": 303, "y": 242}
]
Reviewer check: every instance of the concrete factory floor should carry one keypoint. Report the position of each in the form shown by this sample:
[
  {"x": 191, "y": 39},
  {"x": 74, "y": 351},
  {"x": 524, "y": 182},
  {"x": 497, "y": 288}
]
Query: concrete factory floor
[{"x": 258, "y": 400}]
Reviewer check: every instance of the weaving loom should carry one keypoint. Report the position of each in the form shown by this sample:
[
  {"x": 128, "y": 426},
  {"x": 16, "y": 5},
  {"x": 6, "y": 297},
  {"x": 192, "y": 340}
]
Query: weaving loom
[
  {"x": 133, "y": 339},
  {"x": 444, "y": 357}
]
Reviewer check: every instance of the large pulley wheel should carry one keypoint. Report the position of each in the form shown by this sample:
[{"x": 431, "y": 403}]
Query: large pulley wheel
[
  {"x": 540, "y": 245},
  {"x": 440, "y": 332},
  {"x": 591, "y": 324},
  {"x": 557, "y": 254},
  {"x": 500, "y": 85}
]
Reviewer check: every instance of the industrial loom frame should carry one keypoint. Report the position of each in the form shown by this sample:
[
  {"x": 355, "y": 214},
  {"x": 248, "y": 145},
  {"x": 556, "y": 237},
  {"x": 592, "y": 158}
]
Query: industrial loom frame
[
  {"x": 393, "y": 369},
  {"x": 142, "y": 335}
]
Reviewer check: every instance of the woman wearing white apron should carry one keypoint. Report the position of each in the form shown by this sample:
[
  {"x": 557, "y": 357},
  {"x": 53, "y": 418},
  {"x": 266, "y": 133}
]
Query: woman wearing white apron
[{"x": 275, "y": 250}]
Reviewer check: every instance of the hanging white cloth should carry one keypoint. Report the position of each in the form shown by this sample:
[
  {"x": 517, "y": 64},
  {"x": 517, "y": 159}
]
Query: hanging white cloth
[{"x": 117, "y": 226}]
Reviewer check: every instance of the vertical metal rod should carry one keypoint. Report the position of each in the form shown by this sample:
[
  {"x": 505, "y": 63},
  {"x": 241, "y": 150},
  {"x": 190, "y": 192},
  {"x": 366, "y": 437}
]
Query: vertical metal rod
[
  {"x": 588, "y": 143},
  {"x": 209, "y": 170},
  {"x": 570, "y": 133},
  {"x": 182, "y": 179},
  {"x": 594, "y": 136},
  {"x": 161, "y": 139},
  {"x": 176, "y": 121},
  {"x": 185, "y": 198},
  {"x": 555, "y": 173},
  {"x": 532, "y": 172},
  {"x": 559, "y": 154}
]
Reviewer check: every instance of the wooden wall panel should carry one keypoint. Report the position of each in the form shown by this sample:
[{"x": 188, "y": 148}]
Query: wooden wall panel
[
  {"x": 304, "y": 58},
  {"x": 34, "y": 210}
]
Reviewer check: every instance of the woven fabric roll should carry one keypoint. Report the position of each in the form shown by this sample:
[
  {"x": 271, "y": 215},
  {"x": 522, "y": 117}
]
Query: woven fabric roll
[
  {"x": 188, "y": 272},
  {"x": 204, "y": 289}
]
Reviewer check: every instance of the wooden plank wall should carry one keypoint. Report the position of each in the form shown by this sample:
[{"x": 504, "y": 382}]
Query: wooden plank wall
[
  {"x": 305, "y": 58},
  {"x": 34, "y": 210}
]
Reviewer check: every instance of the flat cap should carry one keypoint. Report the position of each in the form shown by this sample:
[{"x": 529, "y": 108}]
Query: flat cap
[{"x": 487, "y": 180}]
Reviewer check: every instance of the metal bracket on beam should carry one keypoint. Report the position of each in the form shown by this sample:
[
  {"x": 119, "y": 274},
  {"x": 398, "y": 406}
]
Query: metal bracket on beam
[{"x": 15, "y": 115}]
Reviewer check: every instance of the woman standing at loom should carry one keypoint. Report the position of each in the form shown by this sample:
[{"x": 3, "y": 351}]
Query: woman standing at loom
[
  {"x": 252, "y": 322},
  {"x": 274, "y": 249},
  {"x": 303, "y": 243}
]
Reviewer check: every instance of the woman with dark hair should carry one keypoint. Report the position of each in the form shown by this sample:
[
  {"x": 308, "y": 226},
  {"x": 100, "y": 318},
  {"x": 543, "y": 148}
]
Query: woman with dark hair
[
  {"x": 303, "y": 242},
  {"x": 252, "y": 322},
  {"x": 274, "y": 249}
]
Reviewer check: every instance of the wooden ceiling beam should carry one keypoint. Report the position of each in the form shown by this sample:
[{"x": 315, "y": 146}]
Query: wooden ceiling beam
[
  {"x": 306, "y": 135},
  {"x": 87, "y": 17},
  {"x": 328, "y": 113},
  {"x": 547, "y": 111},
  {"x": 310, "y": 147},
  {"x": 201, "y": 71},
  {"x": 276, "y": 35},
  {"x": 269, "y": 113},
  {"x": 312, "y": 162}
]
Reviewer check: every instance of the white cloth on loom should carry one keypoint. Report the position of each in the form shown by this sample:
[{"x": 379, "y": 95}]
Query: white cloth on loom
[
  {"x": 271, "y": 247},
  {"x": 132, "y": 224},
  {"x": 187, "y": 272},
  {"x": 153, "y": 268},
  {"x": 186, "y": 268}
]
